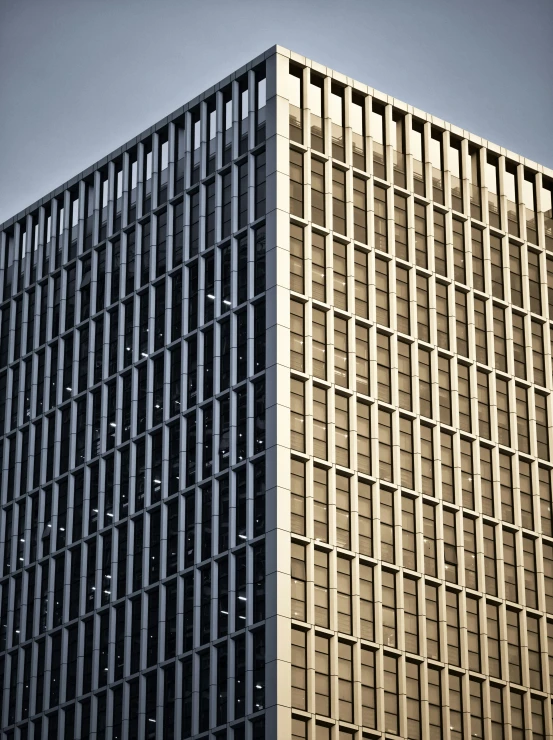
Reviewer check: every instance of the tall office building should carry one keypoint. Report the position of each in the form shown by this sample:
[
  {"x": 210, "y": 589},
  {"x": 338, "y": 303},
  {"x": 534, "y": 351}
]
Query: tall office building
[{"x": 276, "y": 392}]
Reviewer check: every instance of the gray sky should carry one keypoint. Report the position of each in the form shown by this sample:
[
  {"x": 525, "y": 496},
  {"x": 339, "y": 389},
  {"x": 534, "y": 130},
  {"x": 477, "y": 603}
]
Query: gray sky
[{"x": 78, "y": 78}]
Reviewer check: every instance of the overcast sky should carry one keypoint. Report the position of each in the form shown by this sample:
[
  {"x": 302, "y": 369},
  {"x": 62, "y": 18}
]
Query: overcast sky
[{"x": 78, "y": 78}]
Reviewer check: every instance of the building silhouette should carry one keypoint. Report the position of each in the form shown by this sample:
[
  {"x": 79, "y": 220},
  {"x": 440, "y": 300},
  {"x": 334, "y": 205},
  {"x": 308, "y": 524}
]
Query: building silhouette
[{"x": 275, "y": 428}]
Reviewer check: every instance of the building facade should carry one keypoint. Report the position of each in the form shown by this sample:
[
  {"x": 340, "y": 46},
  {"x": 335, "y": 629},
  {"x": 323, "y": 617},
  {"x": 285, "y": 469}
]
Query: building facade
[{"x": 275, "y": 423}]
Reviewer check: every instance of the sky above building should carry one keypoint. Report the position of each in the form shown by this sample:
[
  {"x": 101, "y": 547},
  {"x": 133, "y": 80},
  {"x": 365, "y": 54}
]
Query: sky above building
[{"x": 78, "y": 78}]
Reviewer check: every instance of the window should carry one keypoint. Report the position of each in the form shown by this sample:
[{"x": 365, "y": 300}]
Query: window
[
  {"x": 480, "y": 331},
  {"x": 322, "y": 675},
  {"x": 456, "y": 174},
  {"x": 402, "y": 300},
  {"x": 321, "y": 588},
  {"x": 404, "y": 375},
  {"x": 411, "y": 617},
  {"x": 297, "y": 415},
  {"x": 296, "y": 183},
  {"x": 391, "y": 699},
  {"x": 361, "y": 284},
  {"x": 298, "y": 576},
  {"x": 343, "y": 533},
  {"x": 341, "y": 430},
  {"x": 297, "y": 497},
  {"x": 385, "y": 444},
  {"x": 406, "y": 455},
  {"x": 295, "y": 104},
  {"x": 338, "y": 200},
  {"x": 320, "y": 504},
  {"x": 316, "y": 98},
  {"x": 339, "y": 268},
  {"x": 299, "y": 669},
  {"x": 453, "y": 633},
  {"x": 359, "y": 208},
  {"x": 442, "y": 315},
  {"x": 492, "y": 184},
  {"x": 318, "y": 267},
  {"x": 384, "y": 366},
  {"x": 297, "y": 336},
  {"x": 343, "y": 582},
  {"x": 380, "y": 219},
  {"x": 497, "y": 266},
  {"x": 382, "y": 294},
  {"x": 319, "y": 423},
  {"x": 513, "y": 640},
  {"x": 440, "y": 254},
  {"x": 363, "y": 439},
  {"x": 377, "y": 131},
  {"x": 423, "y": 314},
  {"x": 421, "y": 249},
  {"x": 317, "y": 192},
  {"x": 473, "y": 633},
  {"x": 436, "y": 160},
  {"x": 319, "y": 343},
  {"x": 400, "y": 227},
  {"x": 296, "y": 259}
]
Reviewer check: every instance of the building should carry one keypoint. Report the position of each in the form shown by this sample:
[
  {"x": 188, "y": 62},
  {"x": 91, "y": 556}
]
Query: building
[{"x": 276, "y": 421}]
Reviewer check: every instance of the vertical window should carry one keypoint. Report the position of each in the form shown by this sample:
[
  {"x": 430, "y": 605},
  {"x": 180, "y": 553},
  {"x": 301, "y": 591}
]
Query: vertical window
[
  {"x": 322, "y": 675},
  {"x": 542, "y": 430},
  {"x": 316, "y": 98},
  {"x": 400, "y": 227},
  {"x": 319, "y": 423},
  {"x": 317, "y": 192},
  {"x": 513, "y": 646},
  {"x": 341, "y": 433},
  {"x": 295, "y": 104},
  {"x": 456, "y": 174},
  {"x": 496, "y": 256},
  {"x": 299, "y": 669},
  {"x": 411, "y": 627},
  {"x": 398, "y": 144},
  {"x": 380, "y": 219},
  {"x": 297, "y": 497},
  {"x": 320, "y": 504},
  {"x": 341, "y": 352},
  {"x": 402, "y": 300},
  {"x": 452, "y": 622},
  {"x": 421, "y": 249},
  {"x": 511, "y": 191},
  {"x": 297, "y": 336},
  {"x": 440, "y": 253},
  {"x": 343, "y": 582},
  {"x": 338, "y": 200},
  {"x": 423, "y": 324},
  {"x": 417, "y": 150},
  {"x": 318, "y": 267},
  {"x": 385, "y": 444},
  {"x": 406, "y": 456},
  {"x": 339, "y": 269},
  {"x": 480, "y": 331},
  {"x": 296, "y": 183},
  {"x": 359, "y": 210},
  {"x": 432, "y": 622},
  {"x": 343, "y": 533},
  {"x": 298, "y": 576},
  {"x": 321, "y": 588},
  {"x": 319, "y": 343},
  {"x": 364, "y": 514},
  {"x": 377, "y": 131},
  {"x": 357, "y": 123},
  {"x": 473, "y": 634},
  {"x": 391, "y": 699},
  {"x": 296, "y": 259},
  {"x": 297, "y": 415},
  {"x": 387, "y": 541},
  {"x": 442, "y": 315},
  {"x": 361, "y": 284},
  {"x": 363, "y": 439},
  {"x": 436, "y": 160},
  {"x": 382, "y": 293},
  {"x": 492, "y": 184}
]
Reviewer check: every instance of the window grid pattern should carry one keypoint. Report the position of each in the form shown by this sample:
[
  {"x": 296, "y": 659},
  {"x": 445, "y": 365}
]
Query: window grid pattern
[
  {"x": 445, "y": 498},
  {"x": 132, "y": 520}
]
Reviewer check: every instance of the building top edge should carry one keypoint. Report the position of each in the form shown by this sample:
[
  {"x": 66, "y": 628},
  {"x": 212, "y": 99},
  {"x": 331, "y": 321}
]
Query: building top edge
[{"x": 306, "y": 62}]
